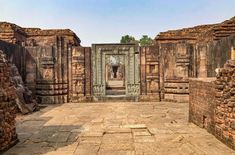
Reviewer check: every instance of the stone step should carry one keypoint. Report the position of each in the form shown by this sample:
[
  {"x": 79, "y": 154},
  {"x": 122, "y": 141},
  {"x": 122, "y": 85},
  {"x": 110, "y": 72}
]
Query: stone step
[
  {"x": 118, "y": 98},
  {"x": 116, "y": 92},
  {"x": 115, "y": 88}
]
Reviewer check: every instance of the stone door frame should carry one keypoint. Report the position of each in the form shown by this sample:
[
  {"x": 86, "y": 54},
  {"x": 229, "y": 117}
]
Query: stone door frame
[{"x": 132, "y": 69}]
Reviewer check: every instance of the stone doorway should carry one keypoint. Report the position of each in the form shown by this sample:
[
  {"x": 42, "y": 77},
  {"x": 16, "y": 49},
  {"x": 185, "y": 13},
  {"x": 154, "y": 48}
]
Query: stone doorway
[
  {"x": 115, "y": 75},
  {"x": 116, "y": 71}
]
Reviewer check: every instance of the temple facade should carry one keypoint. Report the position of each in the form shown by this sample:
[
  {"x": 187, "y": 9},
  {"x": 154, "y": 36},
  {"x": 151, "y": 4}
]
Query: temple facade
[
  {"x": 57, "y": 69},
  {"x": 51, "y": 67}
]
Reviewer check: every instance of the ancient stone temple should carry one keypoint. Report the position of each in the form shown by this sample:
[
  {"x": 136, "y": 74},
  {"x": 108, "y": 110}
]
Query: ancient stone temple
[{"x": 57, "y": 69}]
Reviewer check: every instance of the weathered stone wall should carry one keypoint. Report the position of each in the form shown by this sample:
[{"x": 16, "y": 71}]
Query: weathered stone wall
[
  {"x": 39, "y": 37},
  {"x": 12, "y": 33},
  {"x": 60, "y": 73},
  {"x": 43, "y": 58},
  {"x": 225, "y": 104},
  {"x": 47, "y": 71},
  {"x": 15, "y": 34},
  {"x": 212, "y": 55},
  {"x": 175, "y": 61},
  {"x": 149, "y": 70},
  {"x": 165, "y": 69},
  {"x": 15, "y": 54},
  {"x": 53, "y": 73},
  {"x": 178, "y": 61},
  {"x": 202, "y": 102},
  {"x": 8, "y": 109},
  {"x": 218, "y": 53},
  {"x": 192, "y": 52},
  {"x": 186, "y": 34}
]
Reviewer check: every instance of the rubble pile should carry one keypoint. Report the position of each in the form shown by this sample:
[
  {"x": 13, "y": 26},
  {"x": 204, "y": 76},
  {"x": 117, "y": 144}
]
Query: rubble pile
[{"x": 25, "y": 101}]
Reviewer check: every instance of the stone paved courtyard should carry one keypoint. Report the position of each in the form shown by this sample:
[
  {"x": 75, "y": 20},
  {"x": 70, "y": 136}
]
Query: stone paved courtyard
[{"x": 114, "y": 128}]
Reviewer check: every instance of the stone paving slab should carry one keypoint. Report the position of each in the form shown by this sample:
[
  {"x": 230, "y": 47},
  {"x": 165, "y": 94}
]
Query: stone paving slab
[{"x": 114, "y": 129}]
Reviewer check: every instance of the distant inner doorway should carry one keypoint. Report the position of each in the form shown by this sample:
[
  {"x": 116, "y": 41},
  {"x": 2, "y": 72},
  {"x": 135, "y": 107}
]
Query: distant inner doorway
[
  {"x": 115, "y": 69},
  {"x": 115, "y": 77}
]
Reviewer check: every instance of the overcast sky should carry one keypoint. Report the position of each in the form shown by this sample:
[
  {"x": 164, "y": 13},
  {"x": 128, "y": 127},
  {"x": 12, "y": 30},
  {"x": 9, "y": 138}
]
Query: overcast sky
[{"x": 101, "y": 21}]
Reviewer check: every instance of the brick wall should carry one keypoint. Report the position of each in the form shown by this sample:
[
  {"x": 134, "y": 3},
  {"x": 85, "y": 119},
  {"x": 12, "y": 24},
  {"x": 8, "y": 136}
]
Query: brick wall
[
  {"x": 8, "y": 109},
  {"x": 202, "y": 102},
  {"x": 212, "y": 104},
  {"x": 225, "y": 104}
]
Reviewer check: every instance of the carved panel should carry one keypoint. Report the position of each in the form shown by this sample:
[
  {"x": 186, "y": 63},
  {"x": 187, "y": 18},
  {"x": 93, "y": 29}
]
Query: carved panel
[
  {"x": 150, "y": 75},
  {"x": 78, "y": 74},
  {"x": 175, "y": 71}
]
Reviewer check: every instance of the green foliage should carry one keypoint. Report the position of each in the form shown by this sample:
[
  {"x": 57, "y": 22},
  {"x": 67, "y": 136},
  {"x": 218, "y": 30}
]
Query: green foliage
[
  {"x": 146, "y": 41},
  {"x": 128, "y": 39}
]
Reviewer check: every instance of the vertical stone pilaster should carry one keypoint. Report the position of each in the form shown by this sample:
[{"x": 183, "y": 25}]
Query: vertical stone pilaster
[
  {"x": 64, "y": 70},
  {"x": 59, "y": 60},
  {"x": 55, "y": 56},
  {"x": 88, "y": 76},
  {"x": 69, "y": 63},
  {"x": 203, "y": 62},
  {"x": 161, "y": 72},
  {"x": 143, "y": 70}
]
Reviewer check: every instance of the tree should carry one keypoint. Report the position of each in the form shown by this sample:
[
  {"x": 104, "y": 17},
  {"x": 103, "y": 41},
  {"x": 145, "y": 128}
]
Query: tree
[
  {"x": 146, "y": 41},
  {"x": 128, "y": 39}
]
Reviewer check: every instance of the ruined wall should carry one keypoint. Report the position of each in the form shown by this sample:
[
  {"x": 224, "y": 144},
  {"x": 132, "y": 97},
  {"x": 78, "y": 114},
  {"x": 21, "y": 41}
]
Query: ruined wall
[
  {"x": 12, "y": 33},
  {"x": 186, "y": 34},
  {"x": 178, "y": 61},
  {"x": 192, "y": 52},
  {"x": 202, "y": 102},
  {"x": 212, "y": 55},
  {"x": 15, "y": 54},
  {"x": 8, "y": 109},
  {"x": 225, "y": 104},
  {"x": 43, "y": 58},
  {"x": 60, "y": 73},
  {"x": 214, "y": 47},
  {"x": 218, "y": 53},
  {"x": 39, "y": 37},
  {"x": 53, "y": 72},
  {"x": 47, "y": 71},
  {"x": 182, "y": 60},
  {"x": 15, "y": 34},
  {"x": 165, "y": 70},
  {"x": 212, "y": 104},
  {"x": 57, "y": 69}
]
